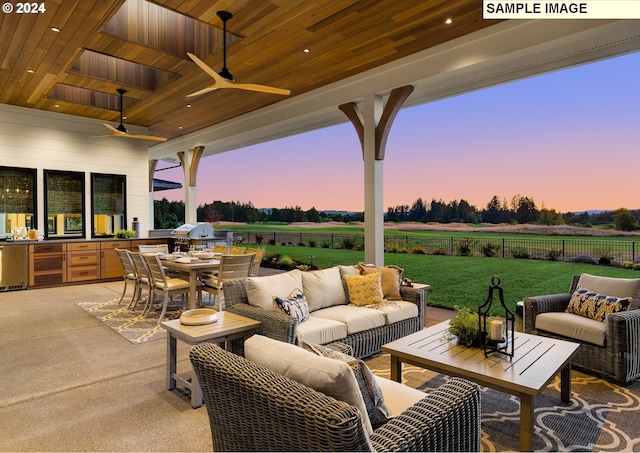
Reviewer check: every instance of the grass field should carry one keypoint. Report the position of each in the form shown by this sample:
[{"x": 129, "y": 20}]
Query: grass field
[{"x": 464, "y": 281}]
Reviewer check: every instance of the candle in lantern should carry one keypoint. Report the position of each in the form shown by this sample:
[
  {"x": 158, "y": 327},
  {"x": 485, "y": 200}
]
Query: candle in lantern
[{"x": 496, "y": 330}]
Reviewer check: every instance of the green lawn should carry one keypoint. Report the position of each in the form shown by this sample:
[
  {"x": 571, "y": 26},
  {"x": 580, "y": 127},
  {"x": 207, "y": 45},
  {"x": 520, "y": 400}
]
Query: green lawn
[{"x": 464, "y": 281}]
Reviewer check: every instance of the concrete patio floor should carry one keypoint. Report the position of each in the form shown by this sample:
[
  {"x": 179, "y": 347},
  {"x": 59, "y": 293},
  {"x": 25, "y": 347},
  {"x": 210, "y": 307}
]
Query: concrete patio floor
[{"x": 70, "y": 383}]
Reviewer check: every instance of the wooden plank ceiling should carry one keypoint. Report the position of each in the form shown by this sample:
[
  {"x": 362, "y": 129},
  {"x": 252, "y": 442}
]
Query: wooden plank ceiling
[{"x": 104, "y": 45}]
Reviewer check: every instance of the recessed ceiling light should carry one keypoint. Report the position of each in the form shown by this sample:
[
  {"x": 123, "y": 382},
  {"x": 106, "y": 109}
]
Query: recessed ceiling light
[
  {"x": 124, "y": 117},
  {"x": 30, "y": 71},
  {"x": 306, "y": 51},
  {"x": 180, "y": 127},
  {"x": 188, "y": 106},
  {"x": 449, "y": 21},
  {"x": 56, "y": 29},
  {"x": 56, "y": 105}
]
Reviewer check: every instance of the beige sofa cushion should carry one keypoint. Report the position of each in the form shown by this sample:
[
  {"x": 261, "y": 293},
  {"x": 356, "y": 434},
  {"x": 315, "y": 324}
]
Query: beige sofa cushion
[
  {"x": 320, "y": 330},
  {"x": 398, "y": 397},
  {"x": 399, "y": 310},
  {"x": 611, "y": 286},
  {"x": 332, "y": 377},
  {"x": 262, "y": 290},
  {"x": 357, "y": 319},
  {"x": 573, "y": 326},
  {"x": 323, "y": 288}
]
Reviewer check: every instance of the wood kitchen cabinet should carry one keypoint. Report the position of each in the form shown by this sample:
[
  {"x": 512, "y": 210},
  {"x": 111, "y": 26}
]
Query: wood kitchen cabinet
[
  {"x": 110, "y": 266},
  {"x": 83, "y": 261},
  {"x": 47, "y": 264}
]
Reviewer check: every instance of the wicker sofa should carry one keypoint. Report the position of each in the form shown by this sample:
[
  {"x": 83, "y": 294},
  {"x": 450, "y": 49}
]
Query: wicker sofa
[
  {"x": 253, "y": 408},
  {"x": 332, "y": 318},
  {"x": 609, "y": 348}
]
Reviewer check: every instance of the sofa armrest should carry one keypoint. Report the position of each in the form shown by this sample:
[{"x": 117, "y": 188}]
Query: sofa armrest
[
  {"x": 275, "y": 324},
  {"x": 533, "y": 306},
  {"x": 447, "y": 419},
  {"x": 416, "y": 296}
]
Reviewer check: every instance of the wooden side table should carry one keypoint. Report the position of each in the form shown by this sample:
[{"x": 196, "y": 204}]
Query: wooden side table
[{"x": 229, "y": 326}]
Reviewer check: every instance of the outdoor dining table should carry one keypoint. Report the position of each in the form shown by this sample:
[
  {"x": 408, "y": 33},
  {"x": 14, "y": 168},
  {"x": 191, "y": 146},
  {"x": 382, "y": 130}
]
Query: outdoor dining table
[{"x": 192, "y": 270}]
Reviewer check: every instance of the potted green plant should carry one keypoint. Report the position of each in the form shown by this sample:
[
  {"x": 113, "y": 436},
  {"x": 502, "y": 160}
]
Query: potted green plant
[
  {"x": 465, "y": 326},
  {"x": 125, "y": 234}
]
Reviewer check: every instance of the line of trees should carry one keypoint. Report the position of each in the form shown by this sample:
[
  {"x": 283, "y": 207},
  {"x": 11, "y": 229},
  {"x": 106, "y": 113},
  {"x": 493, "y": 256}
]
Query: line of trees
[{"x": 170, "y": 214}]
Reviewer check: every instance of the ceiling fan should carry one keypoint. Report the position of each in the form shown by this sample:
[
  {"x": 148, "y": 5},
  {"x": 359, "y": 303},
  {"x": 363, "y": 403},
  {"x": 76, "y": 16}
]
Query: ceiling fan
[
  {"x": 121, "y": 131},
  {"x": 224, "y": 79}
]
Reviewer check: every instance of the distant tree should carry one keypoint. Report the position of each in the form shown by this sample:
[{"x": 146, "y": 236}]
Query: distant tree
[
  {"x": 313, "y": 215},
  {"x": 624, "y": 220},
  {"x": 418, "y": 211}
]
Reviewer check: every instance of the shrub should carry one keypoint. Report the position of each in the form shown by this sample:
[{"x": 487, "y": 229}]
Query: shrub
[
  {"x": 465, "y": 248},
  {"x": 301, "y": 244},
  {"x": 312, "y": 242},
  {"x": 259, "y": 239},
  {"x": 128, "y": 234},
  {"x": 605, "y": 255},
  {"x": 554, "y": 254},
  {"x": 490, "y": 249},
  {"x": 440, "y": 252},
  {"x": 286, "y": 262},
  {"x": 584, "y": 259},
  {"x": 418, "y": 250},
  {"x": 520, "y": 252},
  {"x": 348, "y": 243},
  {"x": 272, "y": 242},
  {"x": 326, "y": 244}
]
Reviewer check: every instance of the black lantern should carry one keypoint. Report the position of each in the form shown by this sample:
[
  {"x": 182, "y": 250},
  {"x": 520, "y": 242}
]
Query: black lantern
[{"x": 496, "y": 332}]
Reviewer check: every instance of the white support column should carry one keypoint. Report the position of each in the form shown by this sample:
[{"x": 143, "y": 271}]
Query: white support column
[
  {"x": 190, "y": 161},
  {"x": 373, "y": 191},
  {"x": 152, "y": 211}
]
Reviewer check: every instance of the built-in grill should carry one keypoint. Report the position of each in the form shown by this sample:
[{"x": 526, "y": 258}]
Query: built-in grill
[{"x": 196, "y": 236}]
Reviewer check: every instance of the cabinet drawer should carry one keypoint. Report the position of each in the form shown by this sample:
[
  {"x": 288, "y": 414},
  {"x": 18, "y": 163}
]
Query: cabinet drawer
[
  {"x": 78, "y": 246},
  {"x": 82, "y": 273},
  {"x": 83, "y": 259},
  {"x": 47, "y": 248},
  {"x": 115, "y": 245}
]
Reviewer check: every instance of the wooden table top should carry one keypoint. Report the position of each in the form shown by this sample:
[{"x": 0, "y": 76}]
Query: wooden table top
[
  {"x": 536, "y": 362},
  {"x": 227, "y": 324}
]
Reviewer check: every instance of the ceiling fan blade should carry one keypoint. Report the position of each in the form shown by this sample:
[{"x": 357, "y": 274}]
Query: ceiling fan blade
[
  {"x": 147, "y": 137},
  {"x": 203, "y": 91},
  {"x": 206, "y": 68},
  {"x": 115, "y": 131},
  {"x": 261, "y": 88}
]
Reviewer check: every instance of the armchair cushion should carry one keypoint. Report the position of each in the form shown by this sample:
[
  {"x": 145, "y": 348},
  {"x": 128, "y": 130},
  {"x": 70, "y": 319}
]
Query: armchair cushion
[
  {"x": 593, "y": 305},
  {"x": 369, "y": 388},
  {"x": 331, "y": 377},
  {"x": 572, "y": 326},
  {"x": 262, "y": 290},
  {"x": 611, "y": 286}
]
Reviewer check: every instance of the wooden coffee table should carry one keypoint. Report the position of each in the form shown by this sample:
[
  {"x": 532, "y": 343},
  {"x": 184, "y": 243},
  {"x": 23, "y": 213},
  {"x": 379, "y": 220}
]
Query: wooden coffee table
[
  {"x": 536, "y": 362},
  {"x": 229, "y": 326}
]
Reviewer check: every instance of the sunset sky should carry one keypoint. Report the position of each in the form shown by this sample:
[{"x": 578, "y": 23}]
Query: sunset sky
[{"x": 570, "y": 140}]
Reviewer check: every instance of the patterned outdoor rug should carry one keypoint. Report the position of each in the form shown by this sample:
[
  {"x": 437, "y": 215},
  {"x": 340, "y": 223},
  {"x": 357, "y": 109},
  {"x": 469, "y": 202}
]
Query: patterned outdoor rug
[
  {"x": 130, "y": 324},
  {"x": 600, "y": 416}
]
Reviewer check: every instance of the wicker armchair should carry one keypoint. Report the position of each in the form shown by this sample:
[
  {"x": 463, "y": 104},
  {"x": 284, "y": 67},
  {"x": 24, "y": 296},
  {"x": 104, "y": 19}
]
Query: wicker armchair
[
  {"x": 251, "y": 408},
  {"x": 618, "y": 360},
  {"x": 281, "y": 327}
]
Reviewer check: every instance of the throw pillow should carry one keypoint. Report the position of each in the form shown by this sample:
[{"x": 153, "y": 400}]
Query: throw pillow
[
  {"x": 364, "y": 289},
  {"x": 591, "y": 304},
  {"x": 295, "y": 305},
  {"x": 391, "y": 279},
  {"x": 371, "y": 392}
]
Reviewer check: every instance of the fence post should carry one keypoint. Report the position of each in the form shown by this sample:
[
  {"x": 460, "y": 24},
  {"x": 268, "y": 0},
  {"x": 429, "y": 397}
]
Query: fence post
[
  {"x": 503, "y": 247},
  {"x": 451, "y": 246},
  {"x": 633, "y": 251},
  {"x": 275, "y": 242},
  {"x": 564, "y": 258}
]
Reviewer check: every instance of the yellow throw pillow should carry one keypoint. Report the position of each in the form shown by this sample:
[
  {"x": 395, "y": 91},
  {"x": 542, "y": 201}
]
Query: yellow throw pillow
[
  {"x": 594, "y": 305},
  {"x": 391, "y": 279},
  {"x": 364, "y": 289}
]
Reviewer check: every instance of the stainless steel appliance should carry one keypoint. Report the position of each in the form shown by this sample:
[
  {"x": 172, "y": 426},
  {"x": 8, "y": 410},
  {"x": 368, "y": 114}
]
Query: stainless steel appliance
[
  {"x": 14, "y": 273},
  {"x": 197, "y": 236}
]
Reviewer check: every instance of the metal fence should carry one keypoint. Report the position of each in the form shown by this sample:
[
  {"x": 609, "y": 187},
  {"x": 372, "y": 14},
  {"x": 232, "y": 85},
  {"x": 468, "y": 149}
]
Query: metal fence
[{"x": 617, "y": 251}]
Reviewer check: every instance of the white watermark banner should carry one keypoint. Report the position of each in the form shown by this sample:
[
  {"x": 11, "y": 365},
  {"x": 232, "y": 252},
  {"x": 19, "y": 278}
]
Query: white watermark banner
[{"x": 585, "y": 9}]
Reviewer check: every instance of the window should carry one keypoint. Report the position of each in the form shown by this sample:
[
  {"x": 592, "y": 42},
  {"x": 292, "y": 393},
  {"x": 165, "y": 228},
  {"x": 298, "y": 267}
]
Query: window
[
  {"x": 108, "y": 193},
  {"x": 17, "y": 200},
  {"x": 64, "y": 204}
]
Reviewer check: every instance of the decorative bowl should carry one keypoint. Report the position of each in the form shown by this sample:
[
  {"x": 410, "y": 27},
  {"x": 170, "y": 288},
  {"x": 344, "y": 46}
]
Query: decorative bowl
[
  {"x": 198, "y": 317},
  {"x": 202, "y": 255}
]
